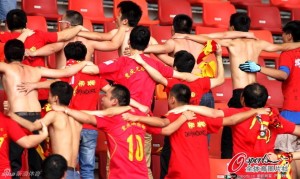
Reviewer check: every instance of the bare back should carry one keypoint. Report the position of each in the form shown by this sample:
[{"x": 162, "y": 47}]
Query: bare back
[
  {"x": 60, "y": 55},
  {"x": 240, "y": 51},
  {"x": 15, "y": 74},
  {"x": 64, "y": 136}
]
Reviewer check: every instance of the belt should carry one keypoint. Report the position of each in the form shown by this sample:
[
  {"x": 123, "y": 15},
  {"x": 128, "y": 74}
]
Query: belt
[
  {"x": 28, "y": 113},
  {"x": 72, "y": 169}
]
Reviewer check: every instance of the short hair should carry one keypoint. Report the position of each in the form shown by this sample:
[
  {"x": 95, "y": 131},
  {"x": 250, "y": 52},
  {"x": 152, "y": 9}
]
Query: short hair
[
  {"x": 182, "y": 24},
  {"x": 240, "y": 21},
  {"x": 54, "y": 167},
  {"x": 63, "y": 91},
  {"x": 75, "y": 50},
  {"x": 121, "y": 93},
  {"x": 181, "y": 92},
  {"x": 293, "y": 28},
  {"x": 16, "y": 19},
  {"x": 130, "y": 11},
  {"x": 139, "y": 38},
  {"x": 74, "y": 17},
  {"x": 255, "y": 95},
  {"x": 184, "y": 61},
  {"x": 14, "y": 50}
]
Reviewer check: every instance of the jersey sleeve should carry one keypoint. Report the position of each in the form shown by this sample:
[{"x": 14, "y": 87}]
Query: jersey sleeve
[
  {"x": 104, "y": 122},
  {"x": 102, "y": 83},
  {"x": 213, "y": 125},
  {"x": 5, "y": 36},
  {"x": 165, "y": 70},
  {"x": 205, "y": 83},
  {"x": 283, "y": 60},
  {"x": 153, "y": 130},
  {"x": 49, "y": 37},
  {"x": 287, "y": 127},
  {"x": 15, "y": 132}
]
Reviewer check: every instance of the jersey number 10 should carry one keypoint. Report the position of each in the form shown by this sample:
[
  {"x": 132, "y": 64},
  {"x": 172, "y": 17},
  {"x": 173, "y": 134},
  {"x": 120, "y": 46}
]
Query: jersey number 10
[{"x": 139, "y": 153}]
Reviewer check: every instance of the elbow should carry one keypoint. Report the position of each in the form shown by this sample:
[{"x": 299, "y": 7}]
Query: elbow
[{"x": 166, "y": 132}]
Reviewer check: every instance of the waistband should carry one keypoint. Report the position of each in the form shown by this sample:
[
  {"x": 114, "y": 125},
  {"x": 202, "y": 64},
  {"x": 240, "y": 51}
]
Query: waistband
[
  {"x": 72, "y": 169},
  {"x": 28, "y": 113}
]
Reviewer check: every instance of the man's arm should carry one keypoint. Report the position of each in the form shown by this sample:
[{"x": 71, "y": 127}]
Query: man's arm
[
  {"x": 69, "y": 33},
  {"x": 240, "y": 117},
  {"x": 143, "y": 108},
  {"x": 219, "y": 79},
  {"x": 165, "y": 48},
  {"x": 33, "y": 140},
  {"x": 59, "y": 73},
  {"x": 98, "y": 36},
  {"x": 230, "y": 35},
  {"x": 28, "y": 87},
  {"x": 25, "y": 33},
  {"x": 151, "y": 121},
  {"x": 270, "y": 47},
  {"x": 202, "y": 110},
  {"x": 46, "y": 50}
]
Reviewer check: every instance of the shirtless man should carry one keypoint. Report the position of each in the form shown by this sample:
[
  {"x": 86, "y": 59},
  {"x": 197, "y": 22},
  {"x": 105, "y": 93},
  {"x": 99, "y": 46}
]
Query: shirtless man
[
  {"x": 241, "y": 50},
  {"x": 64, "y": 131},
  {"x": 28, "y": 106},
  {"x": 70, "y": 19}
]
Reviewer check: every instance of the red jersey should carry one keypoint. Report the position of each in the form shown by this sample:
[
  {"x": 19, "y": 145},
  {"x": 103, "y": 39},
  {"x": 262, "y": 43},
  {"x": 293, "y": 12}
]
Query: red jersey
[
  {"x": 127, "y": 72},
  {"x": 189, "y": 147},
  {"x": 198, "y": 88},
  {"x": 261, "y": 133},
  {"x": 291, "y": 86},
  {"x": 9, "y": 130},
  {"x": 35, "y": 41},
  {"x": 86, "y": 91},
  {"x": 126, "y": 146}
]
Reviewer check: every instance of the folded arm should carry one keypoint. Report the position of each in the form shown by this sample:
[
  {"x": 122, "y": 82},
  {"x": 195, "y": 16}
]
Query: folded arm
[{"x": 59, "y": 73}]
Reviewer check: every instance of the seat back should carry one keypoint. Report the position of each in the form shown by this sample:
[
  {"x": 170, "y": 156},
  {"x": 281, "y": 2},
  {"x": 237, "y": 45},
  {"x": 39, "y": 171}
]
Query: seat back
[
  {"x": 37, "y": 23},
  {"x": 161, "y": 33},
  {"x": 168, "y": 9},
  {"x": 46, "y": 8},
  {"x": 295, "y": 14},
  {"x": 266, "y": 18},
  {"x": 285, "y": 4},
  {"x": 217, "y": 18}
]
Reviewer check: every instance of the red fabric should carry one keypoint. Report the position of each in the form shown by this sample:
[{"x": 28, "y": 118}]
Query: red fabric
[
  {"x": 120, "y": 135},
  {"x": 127, "y": 72},
  {"x": 252, "y": 144},
  {"x": 9, "y": 130},
  {"x": 86, "y": 91},
  {"x": 210, "y": 46},
  {"x": 197, "y": 87},
  {"x": 291, "y": 86},
  {"x": 189, "y": 147}
]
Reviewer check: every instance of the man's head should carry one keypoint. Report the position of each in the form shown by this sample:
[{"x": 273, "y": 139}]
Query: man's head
[
  {"x": 16, "y": 19},
  {"x": 291, "y": 31},
  {"x": 180, "y": 94},
  {"x": 254, "y": 95},
  {"x": 139, "y": 38},
  {"x": 60, "y": 93},
  {"x": 54, "y": 167},
  {"x": 183, "y": 61},
  {"x": 117, "y": 95},
  {"x": 75, "y": 50},
  {"x": 71, "y": 18},
  {"x": 129, "y": 13},
  {"x": 14, "y": 50},
  {"x": 240, "y": 22},
  {"x": 182, "y": 24}
]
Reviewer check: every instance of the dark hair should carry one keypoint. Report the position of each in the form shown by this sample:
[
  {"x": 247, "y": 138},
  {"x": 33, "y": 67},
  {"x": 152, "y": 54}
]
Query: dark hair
[
  {"x": 181, "y": 92},
  {"x": 14, "y": 50},
  {"x": 75, "y": 50},
  {"x": 240, "y": 21},
  {"x": 16, "y": 19},
  {"x": 293, "y": 28},
  {"x": 74, "y": 17},
  {"x": 54, "y": 167},
  {"x": 121, "y": 93},
  {"x": 63, "y": 91},
  {"x": 182, "y": 24},
  {"x": 139, "y": 38},
  {"x": 184, "y": 61},
  {"x": 255, "y": 95},
  {"x": 130, "y": 11}
]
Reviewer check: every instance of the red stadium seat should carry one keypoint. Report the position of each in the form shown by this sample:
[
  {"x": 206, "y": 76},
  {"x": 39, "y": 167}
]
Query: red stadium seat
[
  {"x": 157, "y": 144},
  {"x": 285, "y": 4},
  {"x": 265, "y": 18},
  {"x": 51, "y": 61},
  {"x": 208, "y": 30},
  {"x": 218, "y": 167},
  {"x": 168, "y": 9},
  {"x": 101, "y": 56},
  {"x": 223, "y": 93},
  {"x": 246, "y": 3},
  {"x": 46, "y": 8},
  {"x": 37, "y": 23},
  {"x": 93, "y": 10},
  {"x": 161, "y": 33},
  {"x": 145, "y": 19},
  {"x": 108, "y": 26},
  {"x": 295, "y": 14},
  {"x": 200, "y": 2},
  {"x": 220, "y": 17},
  {"x": 160, "y": 107}
]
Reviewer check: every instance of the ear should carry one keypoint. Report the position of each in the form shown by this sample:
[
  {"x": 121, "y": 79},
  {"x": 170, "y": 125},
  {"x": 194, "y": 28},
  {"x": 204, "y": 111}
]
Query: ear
[
  {"x": 124, "y": 21},
  {"x": 172, "y": 99},
  {"x": 115, "y": 102},
  {"x": 231, "y": 28},
  {"x": 56, "y": 99},
  {"x": 290, "y": 37},
  {"x": 242, "y": 99}
]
